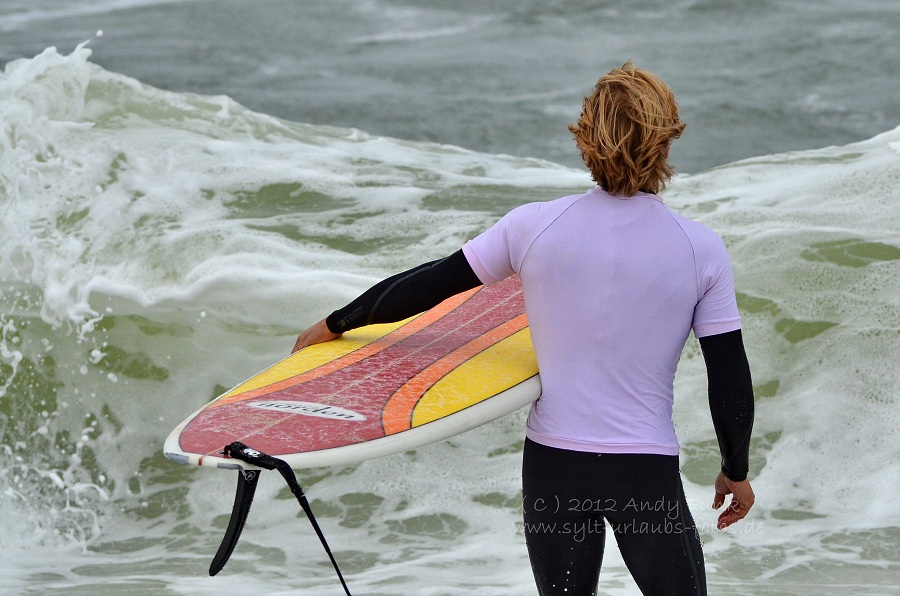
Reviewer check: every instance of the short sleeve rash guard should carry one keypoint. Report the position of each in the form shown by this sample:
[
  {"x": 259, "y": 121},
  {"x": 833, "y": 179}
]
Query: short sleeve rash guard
[{"x": 613, "y": 286}]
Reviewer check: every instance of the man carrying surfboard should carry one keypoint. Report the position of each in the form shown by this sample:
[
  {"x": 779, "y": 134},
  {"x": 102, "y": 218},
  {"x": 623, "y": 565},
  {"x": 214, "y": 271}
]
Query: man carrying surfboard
[{"x": 614, "y": 282}]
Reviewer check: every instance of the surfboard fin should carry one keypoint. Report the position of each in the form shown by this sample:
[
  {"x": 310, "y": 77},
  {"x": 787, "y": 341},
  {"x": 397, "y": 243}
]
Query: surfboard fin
[
  {"x": 243, "y": 498},
  {"x": 246, "y": 488}
]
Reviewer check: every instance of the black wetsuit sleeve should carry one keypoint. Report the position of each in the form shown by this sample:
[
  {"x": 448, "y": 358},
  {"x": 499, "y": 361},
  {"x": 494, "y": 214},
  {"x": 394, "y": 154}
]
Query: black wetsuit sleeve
[
  {"x": 406, "y": 294},
  {"x": 730, "y": 399}
]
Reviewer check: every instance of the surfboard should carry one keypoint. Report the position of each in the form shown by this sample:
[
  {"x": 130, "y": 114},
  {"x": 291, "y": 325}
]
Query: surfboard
[{"x": 377, "y": 390}]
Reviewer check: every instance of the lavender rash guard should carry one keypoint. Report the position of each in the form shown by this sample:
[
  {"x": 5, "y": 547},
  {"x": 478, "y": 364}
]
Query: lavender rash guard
[{"x": 613, "y": 286}]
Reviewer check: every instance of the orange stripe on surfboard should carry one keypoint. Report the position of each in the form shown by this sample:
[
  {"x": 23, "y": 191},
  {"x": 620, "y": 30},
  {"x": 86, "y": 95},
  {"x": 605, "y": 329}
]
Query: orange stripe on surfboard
[
  {"x": 415, "y": 325},
  {"x": 397, "y": 413}
]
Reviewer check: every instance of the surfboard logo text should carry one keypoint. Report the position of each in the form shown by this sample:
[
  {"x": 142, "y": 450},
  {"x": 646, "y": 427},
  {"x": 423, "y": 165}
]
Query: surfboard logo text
[{"x": 308, "y": 408}]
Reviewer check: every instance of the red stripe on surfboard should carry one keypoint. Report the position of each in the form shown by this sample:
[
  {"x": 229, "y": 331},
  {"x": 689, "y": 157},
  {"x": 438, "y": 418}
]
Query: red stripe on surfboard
[
  {"x": 363, "y": 387},
  {"x": 398, "y": 411}
]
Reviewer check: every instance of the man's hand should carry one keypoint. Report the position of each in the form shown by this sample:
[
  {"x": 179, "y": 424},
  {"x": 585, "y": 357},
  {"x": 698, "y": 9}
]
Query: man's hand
[
  {"x": 742, "y": 499},
  {"x": 314, "y": 335}
]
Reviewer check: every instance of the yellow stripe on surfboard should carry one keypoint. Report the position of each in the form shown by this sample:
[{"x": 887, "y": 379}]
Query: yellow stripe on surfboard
[
  {"x": 316, "y": 356},
  {"x": 496, "y": 369}
]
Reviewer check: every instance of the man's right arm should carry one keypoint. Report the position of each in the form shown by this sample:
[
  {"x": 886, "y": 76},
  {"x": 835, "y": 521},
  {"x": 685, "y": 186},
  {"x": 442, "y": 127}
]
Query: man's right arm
[
  {"x": 730, "y": 399},
  {"x": 732, "y": 409}
]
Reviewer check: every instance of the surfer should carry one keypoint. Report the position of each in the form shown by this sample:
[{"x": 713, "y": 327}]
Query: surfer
[{"x": 614, "y": 282}]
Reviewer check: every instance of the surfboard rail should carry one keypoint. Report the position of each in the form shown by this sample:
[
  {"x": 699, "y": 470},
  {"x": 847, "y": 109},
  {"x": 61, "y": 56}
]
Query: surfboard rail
[{"x": 472, "y": 417}]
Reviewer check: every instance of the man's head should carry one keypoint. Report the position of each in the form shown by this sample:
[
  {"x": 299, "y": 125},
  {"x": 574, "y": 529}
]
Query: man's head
[{"x": 624, "y": 131}]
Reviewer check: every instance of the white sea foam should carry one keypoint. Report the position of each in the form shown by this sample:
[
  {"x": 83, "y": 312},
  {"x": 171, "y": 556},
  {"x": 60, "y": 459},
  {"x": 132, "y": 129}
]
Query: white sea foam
[
  {"x": 129, "y": 213},
  {"x": 153, "y": 214}
]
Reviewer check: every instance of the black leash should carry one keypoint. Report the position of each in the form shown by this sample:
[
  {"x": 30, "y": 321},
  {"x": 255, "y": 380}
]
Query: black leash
[{"x": 244, "y": 497}]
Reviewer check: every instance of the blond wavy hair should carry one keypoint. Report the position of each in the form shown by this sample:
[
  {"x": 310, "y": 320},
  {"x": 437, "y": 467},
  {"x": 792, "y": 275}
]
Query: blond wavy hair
[{"x": 624, "y": 131}]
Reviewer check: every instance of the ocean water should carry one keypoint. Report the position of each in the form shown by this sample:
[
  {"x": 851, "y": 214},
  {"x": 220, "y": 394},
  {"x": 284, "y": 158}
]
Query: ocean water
[{"x": 184, "y": 193}]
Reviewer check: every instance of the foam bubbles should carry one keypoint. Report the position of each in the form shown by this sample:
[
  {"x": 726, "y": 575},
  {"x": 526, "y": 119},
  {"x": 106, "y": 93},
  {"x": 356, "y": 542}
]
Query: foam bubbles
[{"x": 157, "y": 248}]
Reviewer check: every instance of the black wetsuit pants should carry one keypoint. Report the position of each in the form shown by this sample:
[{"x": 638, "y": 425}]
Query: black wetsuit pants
[{"x": 569, "y": 496}]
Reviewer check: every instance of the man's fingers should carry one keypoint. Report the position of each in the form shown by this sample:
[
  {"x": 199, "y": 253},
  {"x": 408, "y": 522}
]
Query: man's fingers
[
  {"x": 734, "y": 513},
  {"x": 718, "y": 500},
  {"x": 725, "y": 520},
  {"x": 316, "y": 334},
  {"x": 742, "y": 499}
]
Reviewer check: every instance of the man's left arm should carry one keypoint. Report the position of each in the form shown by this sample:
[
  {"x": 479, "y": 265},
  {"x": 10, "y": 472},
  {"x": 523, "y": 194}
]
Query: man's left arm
[{"x": 396, "y": 298}]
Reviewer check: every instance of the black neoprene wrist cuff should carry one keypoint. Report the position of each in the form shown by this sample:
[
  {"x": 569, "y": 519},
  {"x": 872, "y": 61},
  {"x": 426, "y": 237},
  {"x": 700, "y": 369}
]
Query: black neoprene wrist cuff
[
  {"x": 737, "y": 477},
  {"x": 343, "y": 319},
  {"x": 331, "y": 323}
]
